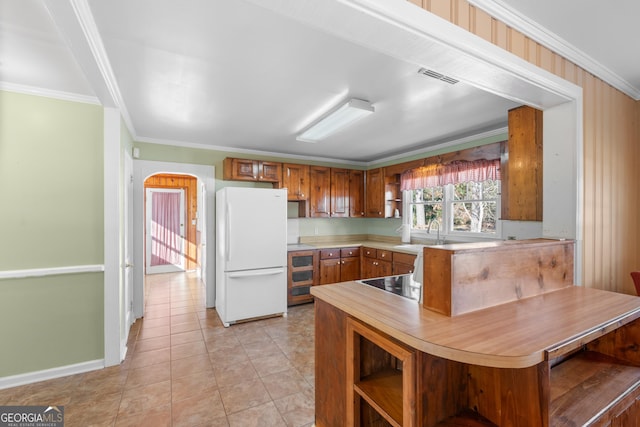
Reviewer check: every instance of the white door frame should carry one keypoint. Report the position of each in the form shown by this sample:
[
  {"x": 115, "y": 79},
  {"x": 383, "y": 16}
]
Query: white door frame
[
  {"x": 169, "y": 268},
  {"x": 142, "y": 169},
  {"x": 127, "y": 262}
]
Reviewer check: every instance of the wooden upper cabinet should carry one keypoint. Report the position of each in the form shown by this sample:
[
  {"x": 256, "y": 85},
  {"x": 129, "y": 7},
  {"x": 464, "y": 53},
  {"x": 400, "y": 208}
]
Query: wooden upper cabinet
[
  {"x": 339, "y": 203},
  {"x": 251, "y": 170},
  {"x": 521, "y": 166},
  {"x": 335, "y": 192},
  {"x": 375, "y": 193},
  {"x": 269, "y": 171},
  {"x": 356, "y": 193},
  {"x": 295, "y": 178},
  {"x": 319, "y": 191}
]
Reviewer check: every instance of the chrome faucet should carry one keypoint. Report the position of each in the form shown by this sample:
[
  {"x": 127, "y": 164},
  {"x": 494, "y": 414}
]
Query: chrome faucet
[{"x": 438, "y": 242}]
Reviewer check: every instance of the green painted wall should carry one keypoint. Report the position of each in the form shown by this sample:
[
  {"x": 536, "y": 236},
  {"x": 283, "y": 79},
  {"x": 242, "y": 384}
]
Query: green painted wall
[
  {"x": 49, "y": 322},
  {"x": 51, "y": 182},
  {"x": 51, "y": 187}
]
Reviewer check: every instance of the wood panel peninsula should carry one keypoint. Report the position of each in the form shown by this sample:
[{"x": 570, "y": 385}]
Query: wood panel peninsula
[{"x": 501, "y": 338}]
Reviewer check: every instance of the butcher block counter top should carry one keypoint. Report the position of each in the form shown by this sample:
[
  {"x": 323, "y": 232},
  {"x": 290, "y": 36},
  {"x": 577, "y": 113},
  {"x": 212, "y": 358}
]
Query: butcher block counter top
[{"x": 513, "y": 335}]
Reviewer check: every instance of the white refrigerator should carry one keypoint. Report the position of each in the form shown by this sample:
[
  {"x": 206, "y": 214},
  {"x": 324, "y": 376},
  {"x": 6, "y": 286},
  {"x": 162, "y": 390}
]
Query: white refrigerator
[{"x": 251, "y": 253}]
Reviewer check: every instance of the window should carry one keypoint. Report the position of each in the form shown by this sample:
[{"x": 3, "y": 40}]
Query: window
[
  {"x": 468, "y": 208},
  {"x": 460, "y": 198}
]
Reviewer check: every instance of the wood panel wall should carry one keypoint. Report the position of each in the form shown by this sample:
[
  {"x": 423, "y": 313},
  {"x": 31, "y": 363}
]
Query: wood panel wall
[
  {"x": 611, "y": 247},
  {"x": 190, "y": 186}
]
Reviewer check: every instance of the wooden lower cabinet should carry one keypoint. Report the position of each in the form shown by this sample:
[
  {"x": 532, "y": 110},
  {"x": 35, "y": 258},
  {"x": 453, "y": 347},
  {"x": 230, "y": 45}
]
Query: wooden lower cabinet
[
  {"x": 376, "y": 263},
  {"x": 300, "y": 276},
  {"x": 339, "y": 265},
  {"x": 402, "y": 263},
  {"x": 364, "y": 377}
]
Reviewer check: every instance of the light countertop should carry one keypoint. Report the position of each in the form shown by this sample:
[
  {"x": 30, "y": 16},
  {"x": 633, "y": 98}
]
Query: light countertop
[
  {"x": 348, "y": 242},
  {"x": 513, "y": 335}
]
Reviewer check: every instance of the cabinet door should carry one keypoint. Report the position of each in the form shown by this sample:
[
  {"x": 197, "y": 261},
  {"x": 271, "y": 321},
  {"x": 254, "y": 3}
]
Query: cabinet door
[
  {"x": 240, "y": 169},
  {"x": 349, "y": 268},
  {"x": 384, "y": 268},
  {"x": 521, "y": 168},
  {"x": 296, "y": 180},
  {"x": 375, "y": 193},
  {"x": 269, "y": 171},
  {"x": 329, "y": 271},
  {"x": 319, "y": 179},
  {"x": 339, "y": 192},
  {"x": 300, "y": 276},
  {"x": 356, "y": 193},
  {"x": 369, "y": 267},
  {"x": 403, "y": 263}
]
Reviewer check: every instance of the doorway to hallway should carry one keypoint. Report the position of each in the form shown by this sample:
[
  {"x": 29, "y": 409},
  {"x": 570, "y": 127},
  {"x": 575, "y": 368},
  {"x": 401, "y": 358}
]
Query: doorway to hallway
[{"x": 165, "y": 230}]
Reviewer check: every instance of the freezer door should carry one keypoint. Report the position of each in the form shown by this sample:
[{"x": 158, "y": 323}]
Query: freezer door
[
  {"x": 255, "y": 293},
  {"x": 255, "y": 234}
]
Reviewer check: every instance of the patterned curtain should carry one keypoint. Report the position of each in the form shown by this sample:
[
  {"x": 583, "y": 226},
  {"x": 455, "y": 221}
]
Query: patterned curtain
[
  {"x": 451, "y": 173},
  {"x": 166, "y": 242}
]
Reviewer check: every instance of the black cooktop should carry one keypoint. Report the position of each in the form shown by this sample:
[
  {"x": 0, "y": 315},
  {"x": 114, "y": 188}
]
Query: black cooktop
[{"x": 402, "y": 285}]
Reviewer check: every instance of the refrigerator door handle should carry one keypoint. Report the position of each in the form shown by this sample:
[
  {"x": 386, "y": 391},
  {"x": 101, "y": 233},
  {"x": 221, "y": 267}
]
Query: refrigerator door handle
[
  {"x": 227, "y": 241},
  {"x": 253, "y": 273}
]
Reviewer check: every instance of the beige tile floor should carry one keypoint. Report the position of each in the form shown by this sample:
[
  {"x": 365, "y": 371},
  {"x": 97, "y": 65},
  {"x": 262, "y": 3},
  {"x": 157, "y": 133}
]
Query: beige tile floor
[{"x": 183, "y": 368}]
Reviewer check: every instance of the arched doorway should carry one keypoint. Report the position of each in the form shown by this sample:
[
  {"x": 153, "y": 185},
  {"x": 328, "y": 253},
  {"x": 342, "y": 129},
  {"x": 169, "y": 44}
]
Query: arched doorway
[
  {"x": 173, "y": 223},
  {"x": 204, "y": 199}
]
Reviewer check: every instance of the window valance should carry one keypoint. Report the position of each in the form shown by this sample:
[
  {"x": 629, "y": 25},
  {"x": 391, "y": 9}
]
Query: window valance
[{"x": 451, "y": 173}]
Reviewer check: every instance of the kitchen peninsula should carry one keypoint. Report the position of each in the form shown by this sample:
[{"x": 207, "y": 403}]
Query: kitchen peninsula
[{"x": 559, "y": 355}]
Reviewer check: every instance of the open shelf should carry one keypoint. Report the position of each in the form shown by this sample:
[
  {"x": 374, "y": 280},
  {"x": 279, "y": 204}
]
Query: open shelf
[
  {"x": 380, "y": 376},
  {"x": 587, "y": 385},
  {"x": 383, "y": 391}
]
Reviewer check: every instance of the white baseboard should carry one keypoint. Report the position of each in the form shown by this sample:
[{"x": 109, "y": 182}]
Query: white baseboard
[
  {"x": 49, "y": 374},
  {"x": 123, "y": 350}
]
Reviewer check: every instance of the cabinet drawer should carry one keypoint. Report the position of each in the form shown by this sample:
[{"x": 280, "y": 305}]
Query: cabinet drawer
[
  {"x": 382, "y": 254},
  {"x": 403, "y": 258},
  {"x": 349, "y": 252},
  {"x": 329, "y": 253},
  {"x": 369, "y": 252}
]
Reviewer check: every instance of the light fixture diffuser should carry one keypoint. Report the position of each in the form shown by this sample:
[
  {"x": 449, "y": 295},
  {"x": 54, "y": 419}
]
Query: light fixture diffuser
[{"x": 351, "y": 111}]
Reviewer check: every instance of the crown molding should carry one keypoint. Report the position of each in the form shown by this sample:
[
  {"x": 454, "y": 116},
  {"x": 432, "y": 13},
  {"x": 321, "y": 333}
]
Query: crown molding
[
  {"x": 514, "y": 19},
  {"x": 500, "y": 133},
  {"x": 77, "y": 25},
  {"x": 246, "y": 151},
  {"x": 89, "y": 28},
  {"x": 49, "y": 93}
]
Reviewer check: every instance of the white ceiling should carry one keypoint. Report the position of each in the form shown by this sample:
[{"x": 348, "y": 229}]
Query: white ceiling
[
  {"x": 602, "y": 35},
  {"x": 231, "y": 74}
]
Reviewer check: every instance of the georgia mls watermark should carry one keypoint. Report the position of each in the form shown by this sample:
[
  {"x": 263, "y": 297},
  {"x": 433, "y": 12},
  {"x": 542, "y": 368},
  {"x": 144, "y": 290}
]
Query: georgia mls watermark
[{"x": 31, "y": 416}]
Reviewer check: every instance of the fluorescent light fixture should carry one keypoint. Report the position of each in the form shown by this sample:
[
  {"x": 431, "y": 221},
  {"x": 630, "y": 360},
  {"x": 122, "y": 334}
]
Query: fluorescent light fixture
[{"x": 352, "y": 110}]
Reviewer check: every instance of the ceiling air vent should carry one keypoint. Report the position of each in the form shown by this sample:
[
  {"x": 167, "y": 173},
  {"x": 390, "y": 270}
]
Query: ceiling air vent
[{"x": 438, "y": 76}]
